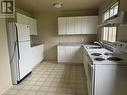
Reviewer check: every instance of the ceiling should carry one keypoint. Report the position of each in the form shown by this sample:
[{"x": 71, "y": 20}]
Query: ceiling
[{"x": 46, "y": 5}]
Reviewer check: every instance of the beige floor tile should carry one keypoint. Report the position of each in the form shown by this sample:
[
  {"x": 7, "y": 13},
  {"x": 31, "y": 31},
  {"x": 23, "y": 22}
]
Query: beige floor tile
[
  {"x": 50, "y": 78},
  {"x": 50, "y": 93},
  {"x": 62, "y": 90},
  {"x": 22, "y": 92},
  {"x": 12, "y": 92},
  {"x": 27, "y": 87},
  {"x": 81, "y": 91},
  {"x": 38, "y": 83},
  {"x": 17, "y": 87},
  {"x": 30, "y": 83},
  {"x": 31, "y": 93},
  {"x": 41, "y": 93},
  {"x": 35, "y": 88},
  {"x": 59, "y": 93},
  {"x": 47, "y": 83},
  {"x": 43, "y": 89}
]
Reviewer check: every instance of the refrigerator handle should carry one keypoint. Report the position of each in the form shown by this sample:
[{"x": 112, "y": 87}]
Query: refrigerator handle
[
  {"x": 17, "y": 42},
  {"x": 18, "y": 51}
]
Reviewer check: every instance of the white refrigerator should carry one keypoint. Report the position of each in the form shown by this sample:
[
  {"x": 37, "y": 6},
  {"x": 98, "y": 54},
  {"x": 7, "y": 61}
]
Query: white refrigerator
[{"x": 19, "y": 51}]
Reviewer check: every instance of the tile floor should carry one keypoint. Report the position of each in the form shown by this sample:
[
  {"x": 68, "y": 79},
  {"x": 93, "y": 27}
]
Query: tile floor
[{"x": 50, "y": 78}]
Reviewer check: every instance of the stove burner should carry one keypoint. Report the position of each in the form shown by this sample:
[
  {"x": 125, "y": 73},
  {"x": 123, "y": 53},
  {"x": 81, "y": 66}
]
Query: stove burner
[
  {"x": 108, "y": 54},
  {"x": 114, "y": 59},
  {"x": 96, "y": 54},
  {"x": 99, "y": 59}
]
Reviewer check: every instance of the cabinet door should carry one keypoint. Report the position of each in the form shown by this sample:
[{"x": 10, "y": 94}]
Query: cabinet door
[
  {"x": 70, "y": 25},
  {"x": 73, "y": 54},
  {"x": 91, "y": 25},
  {"x": 37, "y": 55},
  {"x": 22, "y": 19},
  {"x": 83, "y": 28},
  {"x": 62, "y": 25},
  {"x": 42, "y": 54},
  {"x": 33, "y": 25},
  {"x": 70, "y": 54},
  {"x": 19, "y": 18},
  {"x": 79, "y": 55},
  {"x": 78, "y": 25},
  {"x": 61, "y": 54}
]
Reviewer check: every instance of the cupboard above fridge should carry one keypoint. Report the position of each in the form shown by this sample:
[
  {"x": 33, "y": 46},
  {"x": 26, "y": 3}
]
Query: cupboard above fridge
[{"x": 23, "y": 19}]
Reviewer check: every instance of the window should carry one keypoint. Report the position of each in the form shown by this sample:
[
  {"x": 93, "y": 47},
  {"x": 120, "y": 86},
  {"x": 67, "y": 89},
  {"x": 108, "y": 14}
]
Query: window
[
  {"x": 112, "y": 11},
  {"x": 106, "y": 15},
  {"x": 109, "y": 33}
]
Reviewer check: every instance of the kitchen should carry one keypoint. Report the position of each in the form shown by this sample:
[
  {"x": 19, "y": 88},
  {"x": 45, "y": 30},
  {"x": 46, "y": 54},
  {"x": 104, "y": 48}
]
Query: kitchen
[{"x": 61, "y": 42}]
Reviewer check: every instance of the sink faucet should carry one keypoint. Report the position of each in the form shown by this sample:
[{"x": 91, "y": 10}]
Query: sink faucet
[{"x": 99, "y": 43}]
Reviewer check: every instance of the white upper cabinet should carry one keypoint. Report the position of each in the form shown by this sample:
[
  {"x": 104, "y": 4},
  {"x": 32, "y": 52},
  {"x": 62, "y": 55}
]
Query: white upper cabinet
[
  {"x": 77, "y": 25},
  {"x": 70, "y": 25},
  {"x": 91, "y": 25},
  {"x": 23, "y": 19},
  {"x": 62, "y": 24},
  {"x": 33, "y": 25},
  {"x": 83, "y": 25}
]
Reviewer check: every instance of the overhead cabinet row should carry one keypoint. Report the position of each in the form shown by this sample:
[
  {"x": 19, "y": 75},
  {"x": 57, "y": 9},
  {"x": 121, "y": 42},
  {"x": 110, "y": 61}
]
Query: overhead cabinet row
[{"x": 77, "y": 25}]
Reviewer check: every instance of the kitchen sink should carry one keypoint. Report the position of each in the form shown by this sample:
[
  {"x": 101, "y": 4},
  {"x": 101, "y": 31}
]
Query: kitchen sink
[
  {"x": 99, "y": 59},
  {"x": 96, "y": 54},
  {"x": 95, "y": 47},
  {"x": 114, "y": 59}
]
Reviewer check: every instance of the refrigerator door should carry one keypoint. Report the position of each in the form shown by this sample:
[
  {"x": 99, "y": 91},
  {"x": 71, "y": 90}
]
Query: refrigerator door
[
  {"x": 25, "y": 65},
  {"x": 23, "y": 32},
  {"x": 13, "y": 51}
]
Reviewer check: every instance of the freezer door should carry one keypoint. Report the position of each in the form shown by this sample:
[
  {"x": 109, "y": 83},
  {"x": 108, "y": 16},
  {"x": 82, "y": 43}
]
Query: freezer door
[
  {"x": 25, "y": 65},
  {"x": 23, "y": 32}
]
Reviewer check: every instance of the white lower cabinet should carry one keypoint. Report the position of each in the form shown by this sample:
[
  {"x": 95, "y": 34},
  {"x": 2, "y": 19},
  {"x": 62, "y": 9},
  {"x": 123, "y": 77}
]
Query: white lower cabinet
[
  {"x": 69, "y": 54},
  {"x": 37, "y": 55}
]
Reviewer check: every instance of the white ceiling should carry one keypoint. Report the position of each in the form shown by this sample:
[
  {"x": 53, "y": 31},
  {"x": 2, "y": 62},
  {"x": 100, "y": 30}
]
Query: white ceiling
[{"x": 46, "y": 5}]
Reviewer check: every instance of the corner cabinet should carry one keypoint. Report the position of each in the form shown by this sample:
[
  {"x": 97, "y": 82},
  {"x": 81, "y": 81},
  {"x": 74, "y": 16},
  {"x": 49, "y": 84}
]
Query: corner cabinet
[
  {"x": 77, "y": 25},
  {"x": 69, "y": 54},
  {"x": 23, "y": 19}
]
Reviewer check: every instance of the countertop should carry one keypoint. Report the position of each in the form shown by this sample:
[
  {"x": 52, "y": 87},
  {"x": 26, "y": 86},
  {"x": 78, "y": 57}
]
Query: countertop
[
  {"x": 70, "y": 44},
  {"x": 102, "y": 51},
  {"x": 35, "y": 44}
]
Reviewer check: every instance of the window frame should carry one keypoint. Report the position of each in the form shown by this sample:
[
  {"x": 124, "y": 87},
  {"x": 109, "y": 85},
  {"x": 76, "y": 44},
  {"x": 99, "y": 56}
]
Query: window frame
[
  {"x": 106, "y": 36},
  {"x": 117, "y": 2}
]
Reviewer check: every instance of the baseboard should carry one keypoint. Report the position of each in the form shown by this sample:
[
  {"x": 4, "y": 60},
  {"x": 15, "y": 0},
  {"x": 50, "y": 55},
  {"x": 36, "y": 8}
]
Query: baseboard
[{"x": 5, "y": 90}]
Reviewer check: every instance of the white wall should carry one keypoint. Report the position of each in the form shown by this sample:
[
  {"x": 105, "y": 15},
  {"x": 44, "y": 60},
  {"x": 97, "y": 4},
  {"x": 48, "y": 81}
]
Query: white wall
[{"x": 5, "y": 74}]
